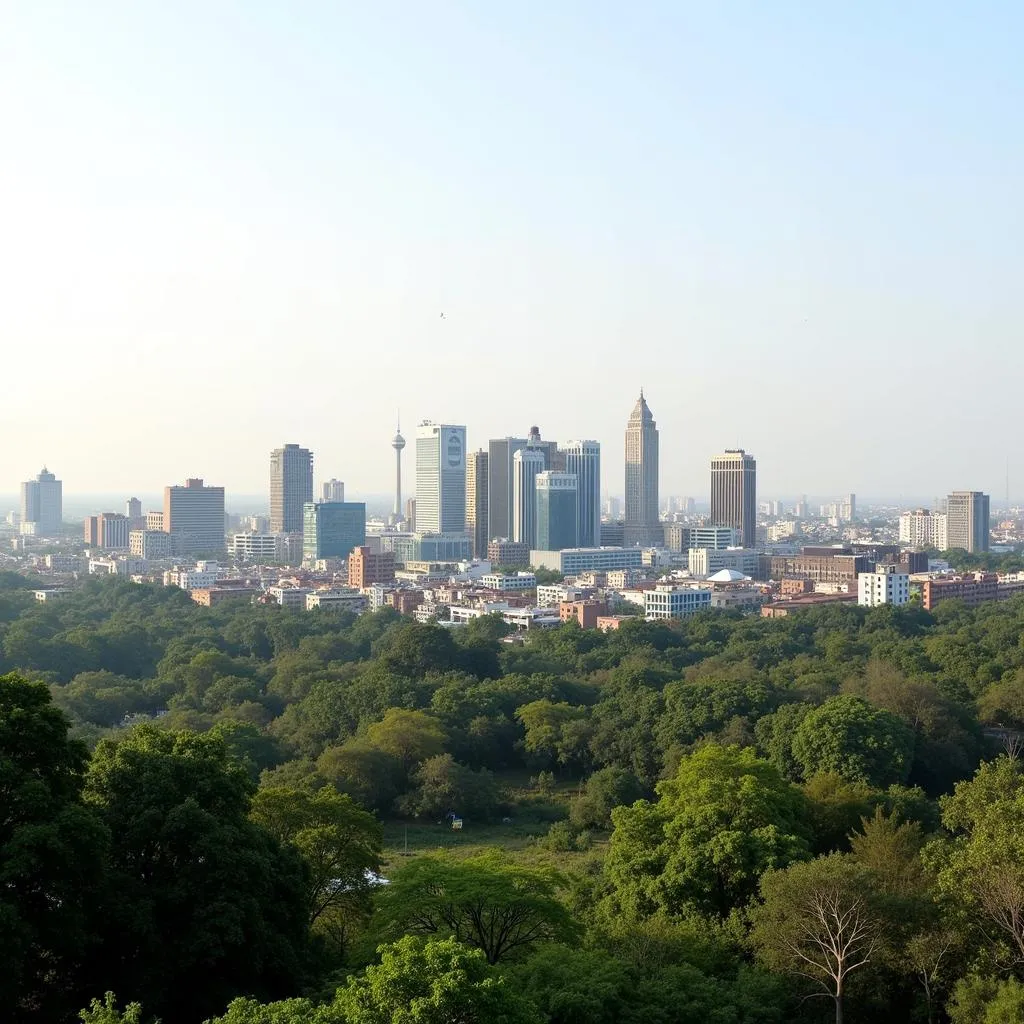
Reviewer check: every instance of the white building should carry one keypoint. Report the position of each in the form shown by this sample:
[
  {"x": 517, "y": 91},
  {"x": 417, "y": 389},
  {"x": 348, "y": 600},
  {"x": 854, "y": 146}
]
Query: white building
[
  {"x": 205, "y": 574},
  {"x": 254, "y": 547},
  {"x": 667, "y": 601},
  {"x": 886, "y": 586},
  {"x": 707, "y": 561},
  {"x": 347, "y": 599},
  {"x": 498, "y": 581},
  {"x": 553, "y": 594},
  {"x": 149, "y": 544},
  {"x": 527, "y": 463},
  {"x": 782, "y": 530},
  {"x": 290, "y": 597},
  {"x": 924, "y": 529},
  {"x": 42, "y": 505},
  {"x": 577, "y": 560},
  {"x": 440, "y": 478},
  {"x": 714, "y": 537}
]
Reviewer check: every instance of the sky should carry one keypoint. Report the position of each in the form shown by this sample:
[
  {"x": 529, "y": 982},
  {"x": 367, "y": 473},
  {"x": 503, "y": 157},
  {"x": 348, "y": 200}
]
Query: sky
[{"x": 229, "y": 225}]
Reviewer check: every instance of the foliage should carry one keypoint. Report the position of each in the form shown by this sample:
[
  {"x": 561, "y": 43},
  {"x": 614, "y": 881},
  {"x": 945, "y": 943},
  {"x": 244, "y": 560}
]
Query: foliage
[
  {"x": 443, "y": 786},
  {"x": 106, "y": 1012}
]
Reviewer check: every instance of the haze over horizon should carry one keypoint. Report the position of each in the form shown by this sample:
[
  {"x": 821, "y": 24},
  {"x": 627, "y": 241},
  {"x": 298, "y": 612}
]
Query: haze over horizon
[{"x": 229, "y": 228}]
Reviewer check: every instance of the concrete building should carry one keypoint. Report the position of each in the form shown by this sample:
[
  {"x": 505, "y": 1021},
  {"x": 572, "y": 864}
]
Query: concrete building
[
  {"x": 557, "y": 513},
  {"x": 572, "y": 561},
  {"x": 133, "y": 510},
  {"x": 670, "y": 601},
  {"x": 734, "y": 493},
  {"x": 476, "y": 501},
  {"x": 841, "y": 567},
  {"x": 346, "y": 600},
  {"x": 967, "y": 518},
  {"x": 432, "y": 547},
  {"x": 707, "y": 561},
  {"x": 526, "y": 464},
  {"x": 642, "y": 522},
  {"x": 440, "y": 478},
  {"x": 586, "y": 613},
  {"x": 332, "y": 490},
  {"x": 583, "y": 458},
  {"x": 886, "y": 585},
  {"x": 147, "y": 544},
  {"x": 194, "y": 517},
  {"x": 511, "y": 581},
  {"x": 507, "y": 552},
  {"x": 42, "y": 505},
  {"x": 108, "y": 530},
  {"x": 716, "y": 538},
  {"x": 291, "y": 487},
  {"x": 290, "y": 597},
  {"x": 366, "y": 567},
  {"x": 208, "y": 597},
  {"x": 922, "y": 528},
  {"x": 972, "y": 589},
  {"x": 153, "y": 521},
  {"x": 500, "y": 453},
  {"x": 331, "y": 529},
  {"x": 410, "y": 515},
  {"x": 254, "y": 547},
  {"x": 551, "y": 594}
]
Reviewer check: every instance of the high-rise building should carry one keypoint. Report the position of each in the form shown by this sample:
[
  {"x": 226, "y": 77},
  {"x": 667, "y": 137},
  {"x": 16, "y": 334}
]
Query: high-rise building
[
  {"x": 410, "y": 514},
  {"x": 612, "y": 508},
  {"x": 526, "y": 464},
  {"x": 108, "y": 530},
  {"x": 476, "y": 501},
  {"x": 642, "y": 524},
  {"x": 440, "y": 478},
  {"x": 583, "y": 458},
  {"x": 194, "y": 517},
  {"x": 291, "y": 487},
  {"x": 923, "y": 529},
  {"x": 967, "y": 520},
  {"x": 848, "y": 508},
  {"x": 133, "y": 510},
  {"x": 734, "y": 493},
  {"x": 332, "y": 490},
  {"x": 331, "y": 529},
  {"x": 500, "y": 453},
  {"x": 398, "y": 443},
  {"x": 557, "y": 517},
  {"x": 42, "y": 506}
]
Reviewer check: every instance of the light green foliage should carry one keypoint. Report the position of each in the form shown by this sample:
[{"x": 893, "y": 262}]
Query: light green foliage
[
  {"x": 987, "y": 1001},
  {"x": 444, "y": 786},
  {"x": 410, "y": 736},
  {"x": 557, "y": 734},
  {"x": 287, "y": 1011},
  {"x": 105, "y": 1011},
  {"x": 371, "y": 776},
  {"x": 725, "y": 818}
]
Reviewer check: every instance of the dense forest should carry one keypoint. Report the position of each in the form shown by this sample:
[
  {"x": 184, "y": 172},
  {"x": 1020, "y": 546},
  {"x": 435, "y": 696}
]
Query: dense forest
[{"x": 205, "y": 815}]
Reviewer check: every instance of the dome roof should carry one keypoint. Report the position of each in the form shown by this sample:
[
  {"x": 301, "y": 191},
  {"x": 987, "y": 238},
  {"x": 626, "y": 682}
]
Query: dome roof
[{"x": 727, "y": 576}]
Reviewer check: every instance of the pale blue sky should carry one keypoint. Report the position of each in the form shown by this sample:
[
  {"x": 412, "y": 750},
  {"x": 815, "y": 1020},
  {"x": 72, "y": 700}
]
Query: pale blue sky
[{"x": 224, "y": 226}]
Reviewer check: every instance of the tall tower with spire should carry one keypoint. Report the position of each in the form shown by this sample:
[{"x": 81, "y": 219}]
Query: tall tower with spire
[
  {"x": 642, "y": 524},
  {"x": 398, "y": 443}
]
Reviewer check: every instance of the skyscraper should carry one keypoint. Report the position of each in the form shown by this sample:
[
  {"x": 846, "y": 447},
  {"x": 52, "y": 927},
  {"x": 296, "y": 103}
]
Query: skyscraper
[
  {"x": 42, "y": 505},
  {"x": 641, "y": 526},
  {"x": 332, "y": 490},
  {"x": 583, "y": 458},
  {"x": 500, "y": 453},
  {"x": 194, "y": 517},
  {"x": 734, "y": 493},
  {"x": 440, "y": 478},
  {"x": 557, "y": 511},
  {"x": 526, "y": 464},
  {"x": 331, "y": 529},
  {"x": 291, "y": 486},
  {"x": 398, "y": 443},
  {"x": 476, "y": 501},
  {"x": 967, "y": 520}
]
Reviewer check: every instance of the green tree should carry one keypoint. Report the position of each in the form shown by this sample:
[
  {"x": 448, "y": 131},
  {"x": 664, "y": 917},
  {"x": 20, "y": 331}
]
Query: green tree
[
  {"x": 725, "y": 818},
  {"x": 371, "y": 776},
  {"x": 501, "y": 907},
  {"x": 979, "y": 1000},
  {"x": 846, "y": 735},
  {"x": 106, "y": 1012},
  {"x": 443, "y": 786},
  {"x": 605, "y": 790},
  {"x": 556, "y": 733},
  {"x": 411, "y": 736}
]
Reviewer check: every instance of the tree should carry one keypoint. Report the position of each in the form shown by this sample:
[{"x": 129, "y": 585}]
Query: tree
[
  {"x": 817, "y": 922},
  {"x": 52, "y": 852},
  {"x": 106, "y": 1012},
  {"x": 726, "y": 817},
  {"x": 848, "y": 736},
  {"x": 556, "y": 732},
  {"x": 978, "y": 1000},
  {"x": 205, "y": 904},
  {"x": 443, "y": 786},
  {"x": 411, "y": 736},
  {"x": 503, "y": 908},
  {"x": 371, "y": 776},
  {"x": 605, "y": 790}
]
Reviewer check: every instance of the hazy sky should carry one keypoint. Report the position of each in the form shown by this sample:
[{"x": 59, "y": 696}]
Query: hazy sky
[{"x": 224, "y": 226}]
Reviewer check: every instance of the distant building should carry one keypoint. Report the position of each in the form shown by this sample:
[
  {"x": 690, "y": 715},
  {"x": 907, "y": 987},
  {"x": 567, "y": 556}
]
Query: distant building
[
  {"x": 714, "y": 537},
  {"x": 254, "y": 547},
  {"x": 972, "y": 589},
  {"x": 734, "y": 493},
  {"x": 507, "y": 552},
  {"x": 557, "y": 518},
  {"x": 347, "y": 599},
  {"x": 642, "y": 521},
  {"x": 410, "y": 515},
  {"x": 583, "y": 458},
  {"x": 366, "y": 567},
  {"x": 476, "y": 501},
  {"x": 148, "y": 544},
  {"x": 967, "y": 516},
  {"x": 292, "y": 597},
  {"x": 707, "y": 561},
  {"x": 194, "y": 517},
  {"x": 924, "y": 529},
  {"x": 291, "y": 487},
  {"x": 440, "y": 478},
  {"x": 526, "y": 464},
  {"x": 154, "y": 521},
  {"x": 511, "y": 581},
  {"x": 108, "y": 530},
  {"x": 133, "y": 510},
  {"x": 887, "y": 585},
  {"x": 668, "y": 601},
  {"x": 577, "y": 560},
  {"x": 332, "y": 490},
  {"x": 586, "y": 613},
  {"x": 42, "y": 505},
  {"x": 500, "y": 453},
  {"x": 432, "y": 547},
  {"x": 331, "y": 529},
  {"x": 842, "y": 567}
]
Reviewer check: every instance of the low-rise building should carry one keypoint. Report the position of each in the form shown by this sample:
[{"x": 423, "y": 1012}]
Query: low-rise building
[
  {"x": 508, "y": 552},
  {"x": 254, "y": 547},
  {"x": 576, "y": 560},
  {"x": 517, "y": 581},
  {"x": 290, "y": 597},
  {"x": 366, "y": 567},
  {"x": 708, "y": 561},
  {"x": 671, "y": 601},
  {"x": 149, "y": 544},
  {"x": 347, "y": 599},
  {"x": 210, "y": 596},
  {"x": 887, "y": 585},
  {"x": 586, "y": 613}
]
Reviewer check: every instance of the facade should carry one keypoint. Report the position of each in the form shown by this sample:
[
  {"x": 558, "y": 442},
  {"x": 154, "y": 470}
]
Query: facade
[
  {"x": 924, "y": 529},
  {"x": 666, "y": 601},
  {"x": 734, "y": 493},
  {"x": 641, "y": 525},
  {"x": 331, "y": 529},
  {"x": 973, "y": 589},
  {"x": 440, "y": 478},
  {"x": 586, "y": 613},
  {"x": 254, "y": 547},
  {"x": 290, "y": 597},
  {"x": 825, "y": 568},
  {"x": 153, "y": 521},
  {"x": 500, "y": 453},
  {"x": 557, "y": 511},
  {"x": 707, "y": 561},
  {"x": 42, "y": 504},
  {"x": 967, "y": 519},
  {"x": 526, "y": 464},
  {"x": 108, "y": 530},
  {"x": 210, "y": 596},
  {"x": 887, "y": 585},
  {"x": 573, "y": 561},
  {"x": 583, "y": 458},
  {"x": 507, "y": 552},
  {"x": 432, "y": 547},
  {"x": 366, "y": 567},
  {"x": 148, "y": 544},
  {"x": 194, "y": 517},
  {"x": 332, "y": 490},
  {"x": 714, "y": 537},
  {"x": 291, "y": 487},
  {"x": 476, "y": 501},
  {"x": 347, "y": 600},
  {"x": 513, "y": 581}
]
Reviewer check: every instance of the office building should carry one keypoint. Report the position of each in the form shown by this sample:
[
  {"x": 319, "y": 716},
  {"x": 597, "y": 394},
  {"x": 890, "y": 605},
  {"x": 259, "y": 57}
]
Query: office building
[
  {"x": 332, "y": 490},
  {"x": 254, "y": 547},
  {"x": 714, "y": 537},
  {"x": 642, "y": 523},
  {"x": 557, "y": 514},
  {"x": 612, "y": 509},
  {"x": 734, "y": 494},
  {"x": 887, "y": 585},
  {"x": 331, "y": 529},
  {"x": 476, "y": 501},
  {"x": 707, "y": 561},
  {"x": 526, "y": 464},
  {"x": 583, "y": 458},
  {"x": 108, "y": 530},
  {"x": 133, "y": 510},
  {"x": 42, "y": 505},
  {"x": 573, "y": 561},
  {"x": 91, "y": 531},
  {"x": 848, "y": 508},
  {"x": 440, "y": 478},
  {"x": 841, "y": 567},
  {"x": 967, "y": 521},
  {"x": 366, "y": 567},
  {"x": 410, "y": 515},
  {"x": 669, "y": 601},
  {"x": 291, "y": 487},
  {"x": 507, "y": 552},
  {"x": 500, "y": 453},
  {"x": 553, "y": 458},
  {"x": 432, "y": 547},
  {"x": 194, "y": 517},
  {"x": 147, "y": 544},
  {"x": 153, "y": 521}
]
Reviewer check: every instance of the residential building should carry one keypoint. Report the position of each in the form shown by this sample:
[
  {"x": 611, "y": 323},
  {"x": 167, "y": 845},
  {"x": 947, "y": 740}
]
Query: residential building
[
  {"x": 576, "y": 560},
  {"x": 194, "y": 517},
  {"x": 476, "y": 501},
  {"x": 291, "y": 487},
  {"x": 147, "y": 544},
  {"x": 551, "y": 594},
  {"x": 440, "y": 478},
  {"x": 967, "y": 518},
  {"x": 526, "y": 464},
  {"x": 366, "y": 567},
  {"x": 154, "y": 521},
  {"x": 675, "y": 537},
  {"x": 972, "y": 589},
  {"x": 254, "y": 547},
  {"x": 557, "y": 512},
  {"x": 510, "y": 581},
  {"x": 642, "y": 522},
  {"x": 922, "y": 528},
  {"x": 290, "y": 597},
  {"x": 341, "y": 599},
  {"x": 332, "y": 490},
  {"x": 886, "y": 585},
  {"x": 707, "y": 561},
  {"x": 91, "y": 531},
  {"x": 210, "y": 596},
  {"x": 583, "y": 458},
  {"x": 734, "y": 493},
  {"x": 586, "y": 613},
  {"x": 410, "y": 515},
  {"x": 670, "y": 601},
  {"x": 331, "y": 529},
  {"x": 507, "y": 552},
  {"x": 42, "y": 505},
  {"x": 714, "y": 537},
  {"x": 108, "y": 530}
]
